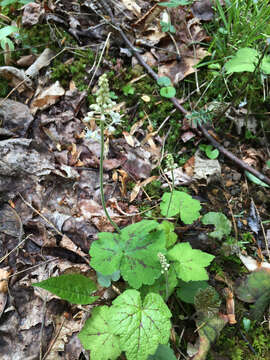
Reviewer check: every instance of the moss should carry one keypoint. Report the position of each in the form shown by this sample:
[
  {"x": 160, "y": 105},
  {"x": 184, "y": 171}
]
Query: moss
[
  {"x": 154, "y": 189},
  {"x": 36, "y": 39},
  {"x": 231, "y": 344},
  {"x": 74, "y": 69},
  {"x": 4, "y": 88}
]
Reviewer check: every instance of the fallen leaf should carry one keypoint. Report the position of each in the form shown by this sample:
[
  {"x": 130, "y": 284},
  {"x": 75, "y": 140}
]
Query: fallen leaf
[{"x": 44, "y": 98}]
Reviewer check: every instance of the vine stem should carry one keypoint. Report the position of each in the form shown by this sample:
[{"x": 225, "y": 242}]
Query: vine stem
[{"x": 116, "y": 227}]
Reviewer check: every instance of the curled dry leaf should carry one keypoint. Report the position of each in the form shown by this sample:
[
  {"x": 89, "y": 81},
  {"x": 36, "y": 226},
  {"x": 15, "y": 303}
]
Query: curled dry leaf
[{"x": 46, "y": 97}]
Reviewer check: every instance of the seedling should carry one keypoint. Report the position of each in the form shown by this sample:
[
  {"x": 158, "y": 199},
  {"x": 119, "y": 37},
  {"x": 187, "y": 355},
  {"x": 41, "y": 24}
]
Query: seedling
[
  {"x": 209, "y": 151},
  {"x": 128, "y": 90},
  {"x": 255, "y": 180},
  {"x": 167, "y": 27},
  {"x": 199, "y": 117},
  {"x": 167, "y": 90}
]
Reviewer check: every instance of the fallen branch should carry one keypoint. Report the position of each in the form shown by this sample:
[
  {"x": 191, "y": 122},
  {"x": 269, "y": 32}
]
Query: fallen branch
[{"x": 177, "y": 105}]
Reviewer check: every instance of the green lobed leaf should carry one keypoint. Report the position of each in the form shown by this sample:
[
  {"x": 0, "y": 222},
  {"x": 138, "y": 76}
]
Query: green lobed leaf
[
  {"x": 209, "y": 331},
  {"x": 133, "y": 252},
  {"x": 222, "y": 224},
  {"x": 189, "y": 263},
  {"x": 98, "y": 336},
  {"x": 188, "y": 290},
  {"x": 255, "y": 288},
  {"x": 168, "y": 229},
  {"x": 245, "y": 59},
  {"x": 180, "y": 203},
  {"x": 163, "y": 352},
  {"x": 74, "y": 288},
  {"x": 141, "y": 326}
]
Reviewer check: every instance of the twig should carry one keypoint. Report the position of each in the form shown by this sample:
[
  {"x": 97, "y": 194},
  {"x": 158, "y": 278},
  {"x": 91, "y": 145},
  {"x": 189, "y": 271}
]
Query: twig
[
  {"x": 19, "y": 244},
  {"x": 42, "y": 216},
  {"x": 99, "y": 61},
  {"x": 32, "y": 267},
  {"x": 54, "y": 340}
]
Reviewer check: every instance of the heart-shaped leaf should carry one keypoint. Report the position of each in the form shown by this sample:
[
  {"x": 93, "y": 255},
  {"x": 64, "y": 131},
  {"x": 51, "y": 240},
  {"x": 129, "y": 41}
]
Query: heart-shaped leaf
[
  {"x": 141, "y": 326},
  {"x": 98, "y": 337},
  {"x": 189, "y": 263},
  {"x": 178, "y": 202},
  {"x": 133, "y": 252}
]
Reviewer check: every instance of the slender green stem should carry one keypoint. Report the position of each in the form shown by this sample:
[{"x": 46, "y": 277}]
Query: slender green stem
[
  {"x": 171, "y": 192},
  {"x": 167, "y": 285},
  {"x": 101, "y": 179}
]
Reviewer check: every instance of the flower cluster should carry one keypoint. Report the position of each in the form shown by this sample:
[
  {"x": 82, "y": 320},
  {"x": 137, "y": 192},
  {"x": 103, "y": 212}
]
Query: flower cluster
[
  {"x": 163, "y": 262},
  {"x": 103, "y": 110},
  {"x": 170, "y": 164}
]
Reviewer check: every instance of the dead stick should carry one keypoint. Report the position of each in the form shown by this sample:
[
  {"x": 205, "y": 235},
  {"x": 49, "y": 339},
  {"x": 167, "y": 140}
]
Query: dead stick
[{"x": 206, "y": 134}]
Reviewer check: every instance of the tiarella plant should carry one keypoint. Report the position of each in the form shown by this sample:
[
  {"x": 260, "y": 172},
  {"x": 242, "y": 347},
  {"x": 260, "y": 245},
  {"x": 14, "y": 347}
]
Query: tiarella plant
[{"x": 147, "y": 257}]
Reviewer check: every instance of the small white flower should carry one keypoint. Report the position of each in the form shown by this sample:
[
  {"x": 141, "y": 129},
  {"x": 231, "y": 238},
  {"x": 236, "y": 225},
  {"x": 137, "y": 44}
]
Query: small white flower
[
  {"x": 94, "y": 135},
  {"x": 103, "y": 109},
  {"x": 163, "y": 262}
]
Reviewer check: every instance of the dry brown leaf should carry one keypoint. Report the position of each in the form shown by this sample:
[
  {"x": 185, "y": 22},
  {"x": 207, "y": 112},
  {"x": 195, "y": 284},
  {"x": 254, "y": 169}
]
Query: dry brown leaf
[
  {"x": 135, "y": 127},
  {"x": 4, "y": 274},
  {"x": 176, "y": 70},
  {"x": 189, "y": 166},
  {"x": 44, "y": 98},
  {"x": 135, "y": 191},
  {"x": 230, "y": 306},
  {"x": 130, "y": 139}
]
